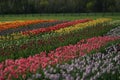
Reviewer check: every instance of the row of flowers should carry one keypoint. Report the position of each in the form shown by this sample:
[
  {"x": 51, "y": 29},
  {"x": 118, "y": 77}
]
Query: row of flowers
[
  {"x": 14, "y": 68},
  {"x": 99, "y": 66},
  {"x": 84, "y": 25},
  {"x": 15, "y": 24},
  {"x": 56, "y": 27},
  {"x": 30, "y": 27}
]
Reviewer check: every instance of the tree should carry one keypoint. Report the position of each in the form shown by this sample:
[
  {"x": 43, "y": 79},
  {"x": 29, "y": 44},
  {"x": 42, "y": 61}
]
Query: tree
[
  {"x": 90, "y": 6},
  {"x": 58, "y": 6}
]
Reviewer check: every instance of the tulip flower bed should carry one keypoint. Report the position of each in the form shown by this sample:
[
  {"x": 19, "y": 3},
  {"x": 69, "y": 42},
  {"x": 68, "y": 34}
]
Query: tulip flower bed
[
  {"x": 99, "y": 66},
  {"x": 114, "y": 32},
  {"x": 57, "y": 27},
  {"x": 32, "y": 46},
  {"x": 20, "y": 67},
  {"x": 84, "y": 25},
  {"x": 30, "y": 27},
  {"x": 15, "y": 24},
  {"x": 41, "y": 30},
  {"x": 58, "y": 50}
]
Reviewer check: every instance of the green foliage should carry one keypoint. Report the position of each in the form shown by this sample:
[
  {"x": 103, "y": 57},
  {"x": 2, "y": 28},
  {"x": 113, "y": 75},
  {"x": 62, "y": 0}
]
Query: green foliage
[{"x": 58, "y": 6}]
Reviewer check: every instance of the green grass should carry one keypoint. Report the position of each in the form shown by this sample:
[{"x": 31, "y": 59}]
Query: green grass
[{"x": 61, "y": 16}]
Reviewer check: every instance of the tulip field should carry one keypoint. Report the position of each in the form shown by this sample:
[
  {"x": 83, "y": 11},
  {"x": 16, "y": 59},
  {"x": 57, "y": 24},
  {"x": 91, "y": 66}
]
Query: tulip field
[{"x": 82, "y": 49}]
